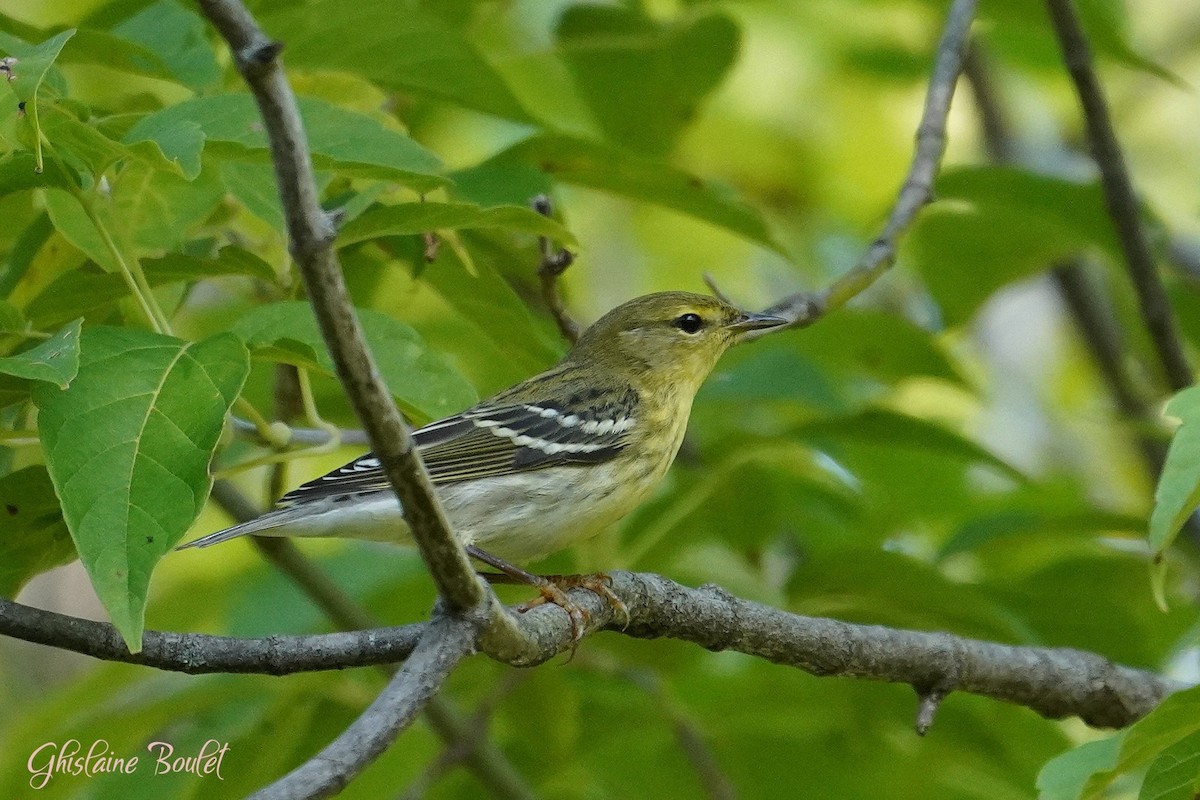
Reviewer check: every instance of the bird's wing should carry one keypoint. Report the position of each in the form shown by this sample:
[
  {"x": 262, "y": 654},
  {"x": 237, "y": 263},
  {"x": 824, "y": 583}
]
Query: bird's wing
[{"x": 491, "y": 440}]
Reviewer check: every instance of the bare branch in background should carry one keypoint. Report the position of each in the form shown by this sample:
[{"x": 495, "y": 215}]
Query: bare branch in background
[
  {"x": 1119, "y": 196},
  {"x": 1085, "y": 300}
]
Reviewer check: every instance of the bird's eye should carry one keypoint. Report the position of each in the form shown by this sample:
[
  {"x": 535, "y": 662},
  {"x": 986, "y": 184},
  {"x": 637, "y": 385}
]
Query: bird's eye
[{"x": 689, "y": 323}]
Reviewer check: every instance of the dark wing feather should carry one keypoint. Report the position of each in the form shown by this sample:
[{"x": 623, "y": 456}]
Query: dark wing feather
[{"x": 492, "y": 440}]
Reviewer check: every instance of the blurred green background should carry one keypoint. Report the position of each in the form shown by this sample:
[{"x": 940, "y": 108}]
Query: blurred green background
[{"x": 942, "y": 455}]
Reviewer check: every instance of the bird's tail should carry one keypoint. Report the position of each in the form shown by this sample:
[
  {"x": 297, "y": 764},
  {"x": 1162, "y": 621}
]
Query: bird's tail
[{"x": 263, "y": 524}]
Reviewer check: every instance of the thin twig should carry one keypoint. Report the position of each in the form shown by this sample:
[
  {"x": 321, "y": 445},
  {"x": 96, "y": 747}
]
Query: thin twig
[
  {"x": 717, "y": 291},
  {"x": 311, "y": 233},
  {"x": 1119, "y": 196},
  {"x": 927, "y": 708},
  {"x": 806, "y": 308},
  {"x": 998, "y": 141},
  {"x": 490, "y": 765},
  {"x": 492, "y": 768},
  {"x": 1095, "y": 319},
  {"x": 553, "y": 264},
  {"x": 310, "y": 436},
  {"x": 447, "y": 640}
]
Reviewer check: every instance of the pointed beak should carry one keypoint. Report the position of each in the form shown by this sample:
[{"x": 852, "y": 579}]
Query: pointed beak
[{"x": 751, "y": 321}]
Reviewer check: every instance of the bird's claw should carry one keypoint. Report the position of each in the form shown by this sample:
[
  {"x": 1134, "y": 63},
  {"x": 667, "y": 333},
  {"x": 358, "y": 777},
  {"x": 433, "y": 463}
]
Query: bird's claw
[{"x": 553, "y": 589}]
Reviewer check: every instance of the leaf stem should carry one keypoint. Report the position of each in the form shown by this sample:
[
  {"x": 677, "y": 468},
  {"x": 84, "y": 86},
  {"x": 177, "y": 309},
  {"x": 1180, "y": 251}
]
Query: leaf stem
[
  {"x": 304, "y": 382},
  {"x": 268, "y": 432},
  {"x": 135, "y": 279},
  {"x": 131, "y": 270}
]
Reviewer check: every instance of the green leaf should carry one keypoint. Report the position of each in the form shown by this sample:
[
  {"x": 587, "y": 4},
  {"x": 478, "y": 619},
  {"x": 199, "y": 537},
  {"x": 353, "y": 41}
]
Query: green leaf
[
  {"x": 1013, "y": 521},
  {"x": 527, "y": 167},
  {"x": 339, "y": 139},
  {"x": 100, "y": 47},
  {"x": 884, "y": 346},
  {"x": 413, "y": 218},
  {"x": 152, "y": 209},
  {"x": 87, "y": 148},
  {"x": 11, "y": 318},
  {"x": 24, "y": 250},
  {"x": 644, "y": 80},
  {"x": 869, "y": 585},
  {"x": 181, "y": 141},
  {"x": 991, "y": 226},
  {"x": 86, "y": 292},
  {"x": 72, "y": 221},
  {"x": 1178, "y": 492},
  {"x": 93, "y": 47},
  {"x": 179, "y": 37},
  {"x": 896, "y": 431},
  {"x": 1021, "y": 30},
  {"x": 230, "y": 260},
  {"x": 55, "y": 360},
  {"x": 128, "y": 447},
  {"x": 80, "y": 144},
  {"x": 1056, "y": 601},
  {"x": 1063, "y": 777},
  {"x": 1177, "y": 719},
  {"x": 13, "y": 391},
  {"x": 487, "y": 301},
  {"x": 413, "y": 52},
  {"x": 423, "y": 382},
  {"x": 33, "y": 62},
  {"x": 773, "y": 372},
  {"x": 20, "y": 171},
  {"x": 254, "y": 186},
  {"x": 90, "y": 293},
  {"x": 33, "y": 537},
  {"x": 1175, "y": 774}
]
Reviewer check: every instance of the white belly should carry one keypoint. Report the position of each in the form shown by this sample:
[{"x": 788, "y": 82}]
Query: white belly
[{"x": 516, "y": 517}]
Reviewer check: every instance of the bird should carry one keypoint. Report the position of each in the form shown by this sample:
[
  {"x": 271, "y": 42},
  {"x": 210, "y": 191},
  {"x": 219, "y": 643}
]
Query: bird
[{"x": 550, "y": 461}]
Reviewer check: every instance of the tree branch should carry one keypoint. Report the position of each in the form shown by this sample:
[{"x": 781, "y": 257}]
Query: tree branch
[
  {"x": 200, "y": 654},
  {"x": 1086, "y": 302},
  {"x": 1055, "y": 682},
  {"x": 1119, "y": 196},
  {"x": 806, "y": 308},
  {"x": 311, "y": 232},
  {"x": 491, "y": 767},
  {"x": 446, "y": 641}
]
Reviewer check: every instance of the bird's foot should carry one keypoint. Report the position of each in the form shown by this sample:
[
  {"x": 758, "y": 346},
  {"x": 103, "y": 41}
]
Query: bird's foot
[{"x": 553, "y": 589}]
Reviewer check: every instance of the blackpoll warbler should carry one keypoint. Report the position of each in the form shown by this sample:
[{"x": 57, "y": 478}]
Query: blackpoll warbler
[{"x": 552, "y": 460}]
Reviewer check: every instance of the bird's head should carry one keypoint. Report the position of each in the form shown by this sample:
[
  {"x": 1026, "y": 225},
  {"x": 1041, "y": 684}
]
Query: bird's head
[{"x": 676, "y": 335}]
